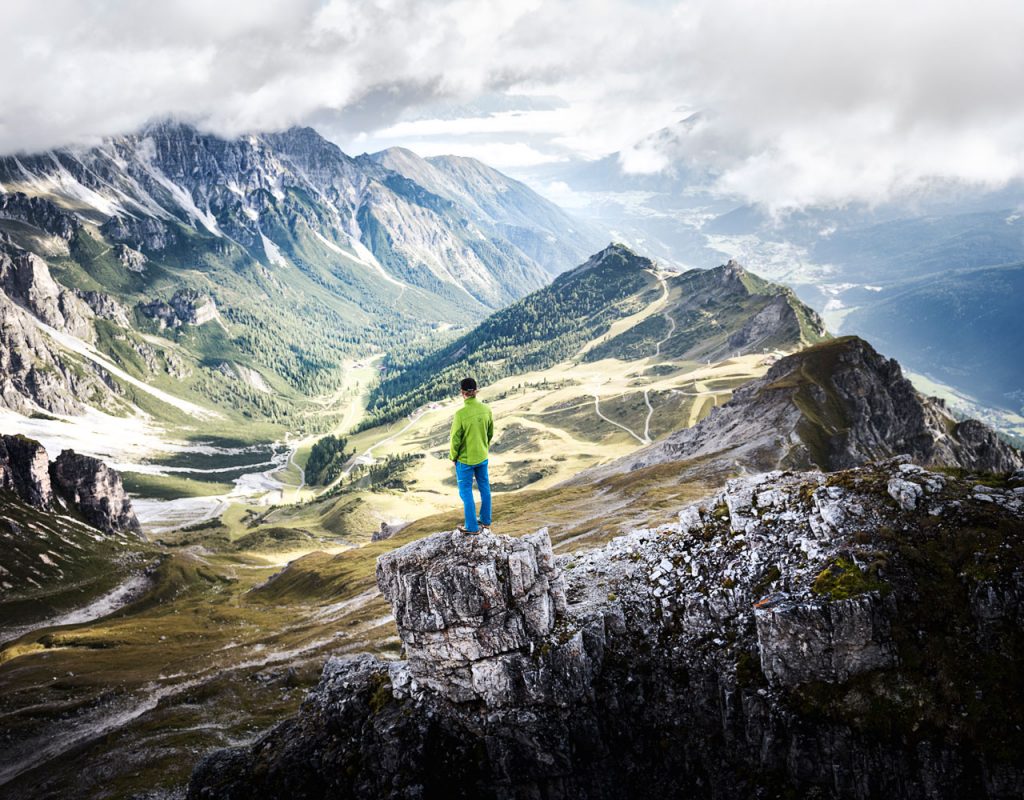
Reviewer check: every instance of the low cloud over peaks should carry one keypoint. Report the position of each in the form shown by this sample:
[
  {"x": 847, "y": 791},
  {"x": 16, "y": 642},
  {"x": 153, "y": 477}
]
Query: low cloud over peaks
[{"x": 803, "y": 102}]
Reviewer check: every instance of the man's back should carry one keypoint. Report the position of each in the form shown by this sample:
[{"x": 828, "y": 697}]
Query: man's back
[{"x": 472, "y": 431}]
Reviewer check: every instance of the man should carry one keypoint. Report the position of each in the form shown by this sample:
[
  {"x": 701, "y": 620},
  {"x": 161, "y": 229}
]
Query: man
[{"x": 472, "y": 431}]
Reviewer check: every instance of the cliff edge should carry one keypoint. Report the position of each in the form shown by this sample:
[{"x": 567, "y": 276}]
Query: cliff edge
[{"x": 846, "y": 635}]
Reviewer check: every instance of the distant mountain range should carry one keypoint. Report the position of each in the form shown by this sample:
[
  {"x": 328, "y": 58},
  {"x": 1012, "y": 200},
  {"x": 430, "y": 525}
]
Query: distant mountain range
[
  {"x": 841, "y": 261},
  {"x": 260, "y": 263}
]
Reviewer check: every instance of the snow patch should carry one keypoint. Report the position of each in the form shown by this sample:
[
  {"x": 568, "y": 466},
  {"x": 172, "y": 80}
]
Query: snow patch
[{"x": 274, "y": 255}]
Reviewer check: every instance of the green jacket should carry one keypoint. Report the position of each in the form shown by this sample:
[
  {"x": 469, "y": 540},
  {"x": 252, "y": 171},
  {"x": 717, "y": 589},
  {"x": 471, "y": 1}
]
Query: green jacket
[{"x": 472, "y": 431}]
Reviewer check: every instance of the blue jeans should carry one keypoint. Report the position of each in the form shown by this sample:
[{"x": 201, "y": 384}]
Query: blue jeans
[{"x": 464, "y": 473}]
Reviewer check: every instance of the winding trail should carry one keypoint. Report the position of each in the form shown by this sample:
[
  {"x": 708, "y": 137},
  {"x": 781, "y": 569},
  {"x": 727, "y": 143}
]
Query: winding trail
[
  {"x": 661, "y": 301},
  {"x": 366, "y": 457},
  {"x": 650, "y": 413},
  {"x": 597, "y": 409}
]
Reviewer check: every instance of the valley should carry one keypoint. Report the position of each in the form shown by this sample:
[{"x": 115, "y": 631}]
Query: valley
[
  {"x": 203, "y": 341},
  {"x": 253, "y": 576}
]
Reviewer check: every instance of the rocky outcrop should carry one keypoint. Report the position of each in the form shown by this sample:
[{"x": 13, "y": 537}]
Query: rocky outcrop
[
  {"x": 836, "y": 405},
  {"x": 25, "y": 470},
  {"x": 131, "y": 259},
  {"x": 794, "y": 635},
  {"x": 468, "y": 607},
  {"x": 95, "y": 490},
  {"x": 385, "y": 531},
  {"x": 105, "y": 307},
  {"x": 186, "y": 307},
  {"x": 35, "y": 373},
  {"x": 139, "y": 233},
  {"x": 85, "y": 484},
  {"x": 25, "y": 278},
  {"x": 39, "y": 213}
]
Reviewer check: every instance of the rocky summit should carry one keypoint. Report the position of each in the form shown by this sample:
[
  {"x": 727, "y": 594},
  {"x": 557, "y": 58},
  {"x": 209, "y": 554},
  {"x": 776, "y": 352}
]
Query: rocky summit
[
  {"x": 470, "y": 610},
  {"x": 833, "y": 406},
  {"x": 847, "y": 635}
]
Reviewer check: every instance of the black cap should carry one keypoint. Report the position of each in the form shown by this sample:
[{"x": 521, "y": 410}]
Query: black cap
[{"x": 468, "y": 385}]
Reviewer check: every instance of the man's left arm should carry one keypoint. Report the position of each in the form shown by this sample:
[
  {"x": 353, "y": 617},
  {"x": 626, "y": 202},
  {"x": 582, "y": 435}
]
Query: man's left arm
[{"x": 490, "y": 428}]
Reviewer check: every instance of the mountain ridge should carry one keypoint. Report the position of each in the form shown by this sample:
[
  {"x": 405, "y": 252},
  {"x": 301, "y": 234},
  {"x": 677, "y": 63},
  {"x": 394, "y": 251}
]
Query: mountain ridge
[{"x": 831, "y": 406}]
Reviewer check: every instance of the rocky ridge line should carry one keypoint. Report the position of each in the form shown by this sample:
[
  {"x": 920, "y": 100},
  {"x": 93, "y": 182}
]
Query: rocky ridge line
[{"x": 797, "y": 632}]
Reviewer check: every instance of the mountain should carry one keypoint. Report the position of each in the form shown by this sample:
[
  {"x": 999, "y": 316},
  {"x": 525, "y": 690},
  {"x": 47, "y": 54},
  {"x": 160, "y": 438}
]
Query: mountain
[
  {"x": 956, "y": 327},
  {"x": 835, "y": 405},
  {"x": 795, "y": 634},
  {"x": 268, "y": 193},
  {"x": 704, "y": 315},
  {"x": 510, "y": 208},
  {"x": 239, "y": 274},
  {"x": 840, "y": 260}
]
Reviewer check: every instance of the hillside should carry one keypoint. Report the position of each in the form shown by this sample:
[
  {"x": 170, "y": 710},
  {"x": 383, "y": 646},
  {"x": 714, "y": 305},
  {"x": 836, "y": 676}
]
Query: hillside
[{"x": 587, "y": 314}]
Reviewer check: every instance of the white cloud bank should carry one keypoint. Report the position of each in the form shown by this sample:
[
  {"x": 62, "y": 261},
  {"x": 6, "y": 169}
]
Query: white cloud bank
[{"x": 804, "y": 102}]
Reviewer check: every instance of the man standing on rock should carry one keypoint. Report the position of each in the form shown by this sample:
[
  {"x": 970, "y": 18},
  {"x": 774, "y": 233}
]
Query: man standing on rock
[{"x": 472, "y": 431}]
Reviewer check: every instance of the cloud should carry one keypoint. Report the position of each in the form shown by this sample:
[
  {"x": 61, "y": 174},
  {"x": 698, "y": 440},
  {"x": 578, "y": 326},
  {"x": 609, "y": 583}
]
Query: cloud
[{"x": 804, "y": 102}]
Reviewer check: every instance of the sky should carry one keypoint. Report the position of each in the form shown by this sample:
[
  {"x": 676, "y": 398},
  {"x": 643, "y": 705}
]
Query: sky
[{"x": 796, "y": 102}]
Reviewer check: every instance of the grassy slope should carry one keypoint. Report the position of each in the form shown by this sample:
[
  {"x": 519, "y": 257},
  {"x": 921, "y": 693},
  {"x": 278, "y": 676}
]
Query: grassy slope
[{"x": 55, "y": 563}]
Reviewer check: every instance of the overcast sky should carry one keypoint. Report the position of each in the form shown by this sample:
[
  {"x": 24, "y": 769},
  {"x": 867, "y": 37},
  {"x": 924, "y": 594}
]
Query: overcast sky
[{"x": 822, "y": 101}]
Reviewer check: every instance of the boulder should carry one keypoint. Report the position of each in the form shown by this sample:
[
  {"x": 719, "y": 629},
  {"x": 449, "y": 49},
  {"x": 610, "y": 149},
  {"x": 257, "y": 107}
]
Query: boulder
[
  {"x": 472, "y": 610},
  {"x": 24, "y": 469},
  {"x": 96, "y": 491}
]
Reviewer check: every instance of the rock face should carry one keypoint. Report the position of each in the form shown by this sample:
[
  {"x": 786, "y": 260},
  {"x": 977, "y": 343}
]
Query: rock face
[
  {"x": 468, "y": 606},
  {"x": 95, "y": 490},
  {"x": 25, "y": 470},
  {"x": 34, "y": 374},
  {"x": 25, "y": 278},
  {"x": 39, "y": 213},
  {"x": 795, "y": 635},
  {"x": 836, "y": 405},
  {"x": 146, "y": 233},
  {"x": 131, "y": 259},
  {"x": 81, "y": 482}
]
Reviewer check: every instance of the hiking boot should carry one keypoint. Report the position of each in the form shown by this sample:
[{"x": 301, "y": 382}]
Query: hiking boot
[
  {"x": 485, "y": 529},
  {"x": 462, "y": 529}
]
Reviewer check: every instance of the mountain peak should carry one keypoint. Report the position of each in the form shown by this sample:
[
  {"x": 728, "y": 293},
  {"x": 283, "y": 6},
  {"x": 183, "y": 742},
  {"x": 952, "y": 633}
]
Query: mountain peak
[
  {"x": 618, "y": 253},
  {"x": 834, "y": 405}
]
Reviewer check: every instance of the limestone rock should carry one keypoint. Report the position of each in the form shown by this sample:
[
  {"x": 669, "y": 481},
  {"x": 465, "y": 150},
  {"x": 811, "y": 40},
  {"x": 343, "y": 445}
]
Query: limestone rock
[
  {"x": 26, "y": 279},
  {"x": 831, "y": 642},
  {"x": 466, "y": 606},
  {"x": 132, "y": 259},
  {"x": 96, "y": 491},
  {"x": 24, "y": 469}
]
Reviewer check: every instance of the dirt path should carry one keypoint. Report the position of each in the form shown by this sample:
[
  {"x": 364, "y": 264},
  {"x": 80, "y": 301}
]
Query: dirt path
[
  {"x": 121, "y": 595},
  {"x": 597, "y": 409}
]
